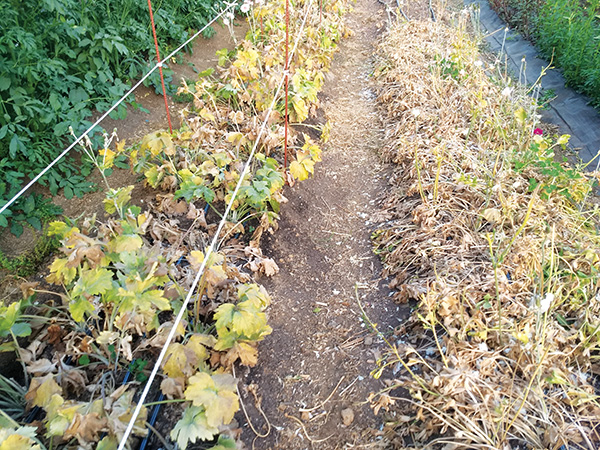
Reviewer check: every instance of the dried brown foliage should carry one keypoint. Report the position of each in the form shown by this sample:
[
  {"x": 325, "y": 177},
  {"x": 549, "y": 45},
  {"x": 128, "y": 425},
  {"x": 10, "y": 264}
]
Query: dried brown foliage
[{"x": 496, "y": 243}]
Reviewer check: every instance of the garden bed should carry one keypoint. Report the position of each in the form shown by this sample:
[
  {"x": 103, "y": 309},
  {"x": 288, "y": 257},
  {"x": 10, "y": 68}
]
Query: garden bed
[
  {"x": 492, "y": 237},
  {"x": 102, "y": 314}
]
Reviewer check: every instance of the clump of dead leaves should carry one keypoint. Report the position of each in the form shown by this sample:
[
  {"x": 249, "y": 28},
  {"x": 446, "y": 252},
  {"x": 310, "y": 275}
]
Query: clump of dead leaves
[{"x": 496, "y": 243}]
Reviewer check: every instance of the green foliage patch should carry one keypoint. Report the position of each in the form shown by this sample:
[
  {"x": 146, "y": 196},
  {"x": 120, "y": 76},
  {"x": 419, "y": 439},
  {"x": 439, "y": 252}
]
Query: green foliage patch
[
  {"x": 63, "y": 60},
  {"x": 566, "y": 31}
]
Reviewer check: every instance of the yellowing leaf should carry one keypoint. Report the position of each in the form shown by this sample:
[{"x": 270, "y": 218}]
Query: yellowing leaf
[
  {"x": 180, "y": 361},
  {"x": 196, "y": 345},
  {"x": 236, "y": 138},
  {"x": 255, "y": 294},
  {"x": 185, "y": 135},
  {"x": 300, "y": 108},
  {"x": 61, "y": 229},
  {"x": 108, "y": 158},
  {"x": 121, "y": 146},
  {"x": 19, "y": 442},
  {"x": 125, "y": 243},
  {"x": 157, "y": 142},
  {"x": 244, "y": 319},
  {"x": 298, "y": 171},
  {"x": 60, "y": 273},
  {"x": 79, "y": 307},
  {"x": 207, "y": 115},
  {"x": 311, "y": 148},
  {"x": 521, "y": 115},
  {"x": 192, "y": 426},
  {"x": 246, "y": 353},
  {"x": 117, "y": 198},
  {"x": 216, "y": 394},
  {"x": 93, "y": 282},
  {"x": 21, "y": 438},
  {"x": 564, "y": 139},
  {"x": 304, "y": 164},
  {"x": 41, "y": 390}
]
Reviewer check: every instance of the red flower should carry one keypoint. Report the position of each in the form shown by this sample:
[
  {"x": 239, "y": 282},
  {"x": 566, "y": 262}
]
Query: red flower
[{"x": 538, "y": 131}]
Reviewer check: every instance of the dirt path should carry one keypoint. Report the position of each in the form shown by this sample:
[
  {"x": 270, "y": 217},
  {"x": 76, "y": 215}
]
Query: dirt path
[{"x": 319, "y": 344}]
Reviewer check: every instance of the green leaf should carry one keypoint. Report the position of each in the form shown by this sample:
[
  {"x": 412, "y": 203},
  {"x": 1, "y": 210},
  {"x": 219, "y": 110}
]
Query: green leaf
[
  {"x": 4, "y": 83},
  {"x": 13, "y": 146},
  {"x": 224, "y": 443},
  {"x": 8, "y": 317},
  {"x": 68, "y": 191},
  {"x": 108, "y": 443},
  {"x": 3, "y": 221},
  {"x": 29, "y": 205},
  {"x": 258, "y": 193},
  {"x": 217, "y": 394},
  {"x": 35, "y": 223},
  {"x": 192, "y": 426},
  {"x": 16, "y": 228},
  {"x": 21, "y": 329},
  {"x": 93, "y": 282}
]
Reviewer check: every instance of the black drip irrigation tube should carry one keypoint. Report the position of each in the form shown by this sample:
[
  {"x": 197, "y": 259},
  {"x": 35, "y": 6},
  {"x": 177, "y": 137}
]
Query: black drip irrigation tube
[{"x": 152, "y": 421}]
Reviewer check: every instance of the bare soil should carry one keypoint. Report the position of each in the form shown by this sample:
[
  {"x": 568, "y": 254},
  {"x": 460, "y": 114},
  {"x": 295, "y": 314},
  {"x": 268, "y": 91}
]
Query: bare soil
[{"x": 313, "y": 374}]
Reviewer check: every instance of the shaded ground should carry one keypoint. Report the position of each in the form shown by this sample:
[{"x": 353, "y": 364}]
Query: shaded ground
[{"x": 320, "y": 349}]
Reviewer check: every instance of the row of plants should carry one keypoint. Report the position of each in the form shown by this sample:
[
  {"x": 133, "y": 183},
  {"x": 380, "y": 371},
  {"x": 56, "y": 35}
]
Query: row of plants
[
  {"x": 492, "y": 238},
  {"x": 566, "y": 32},
  {"x": 61, "y": 61},
  {"x": 111, "y": 296}
]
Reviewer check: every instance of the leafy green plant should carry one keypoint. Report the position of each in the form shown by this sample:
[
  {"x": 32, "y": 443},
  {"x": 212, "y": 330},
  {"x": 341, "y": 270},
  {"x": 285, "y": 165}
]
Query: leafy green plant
[
  {"x": 63, "y": 60},
  {"x": 122, "y": 279},
  {"x": 565, "y": 31},
  {"x": 28, "y": 263},
  {"x": 33, "y": 210},
  {"x": 552, "y": 175}
]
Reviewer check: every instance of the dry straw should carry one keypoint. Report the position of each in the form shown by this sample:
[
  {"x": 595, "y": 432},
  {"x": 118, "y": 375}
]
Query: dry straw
[{"x": 496, "y": 242}]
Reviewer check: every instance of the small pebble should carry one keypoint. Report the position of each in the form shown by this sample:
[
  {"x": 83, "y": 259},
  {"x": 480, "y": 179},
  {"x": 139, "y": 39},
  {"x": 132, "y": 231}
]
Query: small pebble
[
  {"x": 347, "y": 416},
  {"x": 368, "y": 340}
]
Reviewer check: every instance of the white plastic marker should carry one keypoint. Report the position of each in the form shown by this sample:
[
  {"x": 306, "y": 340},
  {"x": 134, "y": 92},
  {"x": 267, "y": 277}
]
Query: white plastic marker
[
  {"x": 209, "y": 251},
  {"x": 113, "y": 107}
]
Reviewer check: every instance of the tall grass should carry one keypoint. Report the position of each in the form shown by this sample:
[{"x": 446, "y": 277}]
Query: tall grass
[
  {"x": 567, "y": 31},
  {"x": 571, "y": 33}
]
